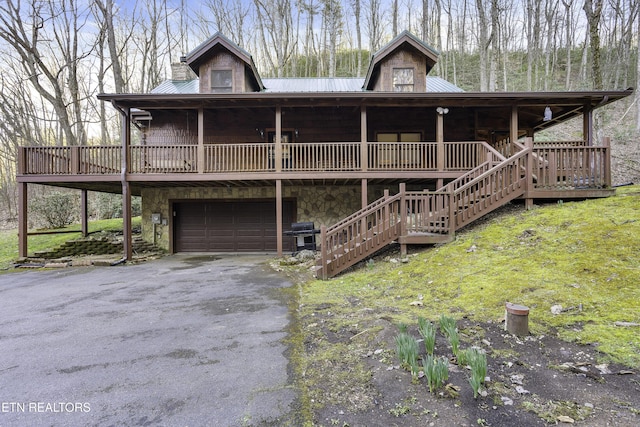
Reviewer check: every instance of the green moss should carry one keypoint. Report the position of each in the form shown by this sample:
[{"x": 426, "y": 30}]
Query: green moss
[{"x": 580, "y": 255}]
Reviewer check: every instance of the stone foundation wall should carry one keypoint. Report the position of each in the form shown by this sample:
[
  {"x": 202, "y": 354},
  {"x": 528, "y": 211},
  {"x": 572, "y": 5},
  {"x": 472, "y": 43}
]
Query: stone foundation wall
[{"x": 323, "y": 205}]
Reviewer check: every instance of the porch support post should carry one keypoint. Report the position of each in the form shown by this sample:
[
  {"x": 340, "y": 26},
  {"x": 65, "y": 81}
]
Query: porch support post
[
  {"x": 513, "y": 127},
  {"x": 279, "y": 227},
  {"x": 364, "y": 152},
  {"x": 278, "y": 139},
  {"x": 364, "y": 193},
  {"x": 528, "y": 201},
  {"x": 22, "y": 220},
  {"x": 126, "y": 188},
  {"x": 84, "y": 213},
  {"x": 403, "y": 218},
  {"x": 606, "y": 143},
  {"x": 200, "y": 152},
  {"x": 440, "y": 144},
  {"x": 587, "y": 125}
]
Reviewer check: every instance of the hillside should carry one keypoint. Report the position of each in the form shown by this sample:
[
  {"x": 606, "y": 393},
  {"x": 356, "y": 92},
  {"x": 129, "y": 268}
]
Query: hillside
[{"x": 579, "y": 258}]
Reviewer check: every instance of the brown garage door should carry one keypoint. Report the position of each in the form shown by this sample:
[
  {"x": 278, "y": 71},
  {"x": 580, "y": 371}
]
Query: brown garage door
[{"x": 229, "y": 226}]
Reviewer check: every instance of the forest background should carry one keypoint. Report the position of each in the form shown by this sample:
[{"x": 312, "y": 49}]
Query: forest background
[{"x": 57, "y": 55}]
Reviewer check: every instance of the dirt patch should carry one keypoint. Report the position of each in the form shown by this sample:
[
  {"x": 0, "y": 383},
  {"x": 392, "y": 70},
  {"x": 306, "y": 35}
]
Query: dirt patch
[{"x": 537, "y": 380}]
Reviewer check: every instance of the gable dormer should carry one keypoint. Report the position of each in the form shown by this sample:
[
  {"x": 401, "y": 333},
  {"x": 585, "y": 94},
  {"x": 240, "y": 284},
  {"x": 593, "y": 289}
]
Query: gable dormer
[
  {"x": 401, "y": 66},
  {"x": 224, "y": 67}
]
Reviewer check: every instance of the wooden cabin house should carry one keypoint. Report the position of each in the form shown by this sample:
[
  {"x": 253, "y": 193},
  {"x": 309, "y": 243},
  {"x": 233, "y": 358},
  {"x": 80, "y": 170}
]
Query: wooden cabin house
[{"x": 226, "y": 161}]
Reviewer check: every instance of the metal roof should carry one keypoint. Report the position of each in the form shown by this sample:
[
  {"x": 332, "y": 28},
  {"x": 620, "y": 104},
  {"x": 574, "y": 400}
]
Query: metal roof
[
  {"x": 307, "y": 85},
  {"x": 319, "y": 84},
  {"x": 177, "y": 87}
]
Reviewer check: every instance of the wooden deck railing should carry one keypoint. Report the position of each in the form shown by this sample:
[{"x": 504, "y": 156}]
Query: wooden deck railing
[
  {"x": 76, "y": 160},
  {"x": 490, "y": 190},
  {"x": 559, "y": 166},
  {"x": 163, "y": 159},
  {"x": 254, "y": 157},
  {"x": 354, "y": 238},
  {"x": 420, "y": 216},
  {"x": 237, "y": 157}
]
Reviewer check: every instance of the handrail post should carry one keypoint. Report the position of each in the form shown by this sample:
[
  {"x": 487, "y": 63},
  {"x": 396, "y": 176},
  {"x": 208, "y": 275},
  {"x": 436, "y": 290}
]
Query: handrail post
[
  {"x": 323, "y": 252},
  {"x": 529, "y": 173},
  {"x": 403, "y": 217},
  {"x": 606, "y": 144},
  {"x": 22, "y": 164},
  {"x": 386, "y": 221},
  {"x": 452, "y": 212},
  {"x": 75, "y": 160}
]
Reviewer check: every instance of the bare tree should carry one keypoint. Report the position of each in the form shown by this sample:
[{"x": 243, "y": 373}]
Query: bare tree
[
  {"x": 275, "y": 24},
  {"x": 332, "y": 17},
  {"x": 484, "y": 44},
  {"x": 106, "y": 11},
  {"x": 357, "y": 12},
  {"x": 45, "y": 37},
  {"x": 374, "y": 25},
  {"x": 593, "y": 12},
  {"x": 638, "y": 80},
  {"x": 394, "y": 17},
  {"x": 568, "y": 28}
]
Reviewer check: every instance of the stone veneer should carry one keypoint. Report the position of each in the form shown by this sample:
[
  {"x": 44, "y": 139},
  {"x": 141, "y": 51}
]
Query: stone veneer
[{"x": 324, "y": 205}]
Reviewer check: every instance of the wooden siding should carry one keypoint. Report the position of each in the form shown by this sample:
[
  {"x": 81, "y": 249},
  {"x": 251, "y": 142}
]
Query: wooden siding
[
  {"x": 223, "y": 60},
  {"x": 405, "y": 58}
]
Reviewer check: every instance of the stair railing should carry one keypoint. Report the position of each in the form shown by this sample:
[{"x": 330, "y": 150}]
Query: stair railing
[{"x": 482, "y": 190}]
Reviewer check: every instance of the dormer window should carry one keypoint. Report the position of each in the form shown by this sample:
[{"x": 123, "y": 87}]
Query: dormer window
[
  {"x": 221, "y": 81},
  {"x": 403, "y": 80}
]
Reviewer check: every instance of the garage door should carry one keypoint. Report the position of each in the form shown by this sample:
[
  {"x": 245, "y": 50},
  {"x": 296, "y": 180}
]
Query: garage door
[{"x": 229, "y": 226}]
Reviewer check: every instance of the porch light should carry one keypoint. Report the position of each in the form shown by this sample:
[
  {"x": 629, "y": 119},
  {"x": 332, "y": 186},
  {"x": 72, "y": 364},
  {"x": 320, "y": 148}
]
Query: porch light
[
  {"x": 442, "y": 111},
  {"x": 547, "y": 114},
  {"x": 260, "y": 132},
  {"x": 296, "y": 132}
]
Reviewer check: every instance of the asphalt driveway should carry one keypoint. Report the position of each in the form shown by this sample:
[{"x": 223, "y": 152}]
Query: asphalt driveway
[{"x": 179, "y": 341}]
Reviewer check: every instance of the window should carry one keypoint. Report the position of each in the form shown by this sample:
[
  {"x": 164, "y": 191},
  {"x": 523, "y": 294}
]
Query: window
[
  {"x": 403, "y": 79},
  {"x": 221, "y": 80}
]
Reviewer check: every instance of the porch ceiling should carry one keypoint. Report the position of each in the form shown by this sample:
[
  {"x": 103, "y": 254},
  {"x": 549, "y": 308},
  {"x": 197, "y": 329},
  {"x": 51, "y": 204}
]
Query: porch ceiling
[{"x": 531, "y": 105}]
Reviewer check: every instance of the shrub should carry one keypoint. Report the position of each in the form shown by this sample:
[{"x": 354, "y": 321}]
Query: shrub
[
  {"x": 108, "y": 206},
  {"x": 55, "y": 209}
]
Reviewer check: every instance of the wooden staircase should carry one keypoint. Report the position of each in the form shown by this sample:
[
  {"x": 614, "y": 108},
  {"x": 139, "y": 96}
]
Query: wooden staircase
[{"x": 424, "y": 217}]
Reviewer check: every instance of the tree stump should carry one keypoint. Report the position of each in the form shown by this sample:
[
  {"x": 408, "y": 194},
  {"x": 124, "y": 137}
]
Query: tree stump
[{"x": 517, "y": 319}]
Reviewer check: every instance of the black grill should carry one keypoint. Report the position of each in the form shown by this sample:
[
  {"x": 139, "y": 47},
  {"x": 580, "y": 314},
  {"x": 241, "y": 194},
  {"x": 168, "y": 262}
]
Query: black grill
[{"x": 305, "y": 235}]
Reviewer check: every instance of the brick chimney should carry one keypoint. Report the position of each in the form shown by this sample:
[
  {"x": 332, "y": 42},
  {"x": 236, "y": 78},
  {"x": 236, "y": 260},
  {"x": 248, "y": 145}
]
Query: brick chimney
[{"x": 181, "y": 71}]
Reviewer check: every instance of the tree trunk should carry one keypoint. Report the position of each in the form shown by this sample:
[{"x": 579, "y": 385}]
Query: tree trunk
[
  {"x": 356, "y": 10},
  {"x": 106, "y": 9},
  {"x": 593, "y": 12}
]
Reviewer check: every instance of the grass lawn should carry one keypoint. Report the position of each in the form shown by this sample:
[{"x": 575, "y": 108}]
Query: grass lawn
[{"x": 9, "y": 239}]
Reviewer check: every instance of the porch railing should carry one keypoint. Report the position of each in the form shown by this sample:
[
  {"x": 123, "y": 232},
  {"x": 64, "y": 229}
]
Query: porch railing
[
  {"x": 76, "y": 160},
  {"x": 561, "y": 164},
  {"x": 255, "y": 157}
]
